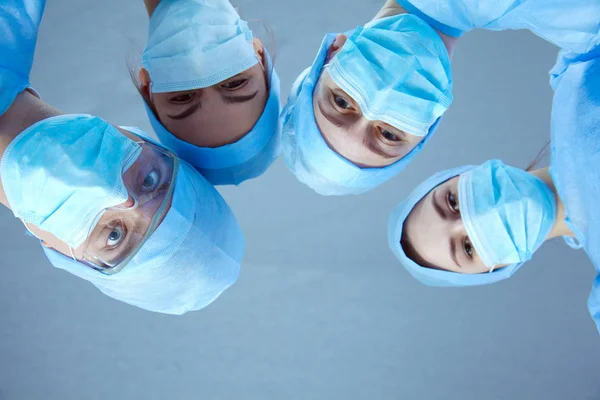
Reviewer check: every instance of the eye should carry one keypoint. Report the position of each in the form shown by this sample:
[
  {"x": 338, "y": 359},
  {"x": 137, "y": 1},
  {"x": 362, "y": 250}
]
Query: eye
[
  {"x": 151, "y": 181},
  {"x": 183, "y": 98},
  {"x": 341, "y": 102},
  {"x": 233, "y": 85},
  {"x": 452, "y": 203},
  {"x": 389, "y": 135},
  {"x": 116, "y": 234},
  {"x": 468, "y": 248}
]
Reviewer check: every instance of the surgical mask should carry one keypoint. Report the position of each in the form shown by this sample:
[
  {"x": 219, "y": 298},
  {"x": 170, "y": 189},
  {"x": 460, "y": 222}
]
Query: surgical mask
[
  {"x": 79, "y": 172},
  {"x": 194, "y": 44},
  {"x": 507, "y": 212},
  {"x": 398, "y": 71}
]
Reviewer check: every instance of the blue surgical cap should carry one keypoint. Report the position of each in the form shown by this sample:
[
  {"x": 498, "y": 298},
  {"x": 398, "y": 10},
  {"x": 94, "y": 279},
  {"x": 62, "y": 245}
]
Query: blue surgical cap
[
  {"x": 189, "y": 260},
  {"x": 245, "y": 159},
  {"x": 311, "y": 159},
  {"x": 430, "y": 276}
]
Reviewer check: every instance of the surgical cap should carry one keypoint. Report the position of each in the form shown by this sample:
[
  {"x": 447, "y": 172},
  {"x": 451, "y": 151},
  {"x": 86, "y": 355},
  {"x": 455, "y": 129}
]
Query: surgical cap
[
  {"x": 190, "y": 259},
  {"x": 233, "y": 163},
  {"x": 311, "y": 159},
  {"x": 430, "y": 276}
]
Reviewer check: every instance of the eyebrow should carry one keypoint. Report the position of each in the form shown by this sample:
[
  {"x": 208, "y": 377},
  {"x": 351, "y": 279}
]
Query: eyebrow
[
  {"x": 437, "y": 207},
  {"x": 330, "y": 118},
  {"x": 442, "y": 214},
  {"x": 453, "y": 252},
  {"x": 186, "y": 113},
  {"x": 239, "y": 99}
]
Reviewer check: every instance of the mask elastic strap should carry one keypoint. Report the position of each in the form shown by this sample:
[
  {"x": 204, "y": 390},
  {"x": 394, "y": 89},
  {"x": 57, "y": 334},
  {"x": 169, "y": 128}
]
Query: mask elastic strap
[
  {"x": 491, "y": 269},
  {"x": 72, "y": 254}
]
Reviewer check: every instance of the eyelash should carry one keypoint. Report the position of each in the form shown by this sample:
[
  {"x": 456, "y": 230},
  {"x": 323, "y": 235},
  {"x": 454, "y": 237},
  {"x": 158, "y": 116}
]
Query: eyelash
[
  {"x": 183, "y": 98},
  {"x": 455, "y": 209},
  {"x": 235, "y": 85},
  {"x": 343, "y": 109},
  {"x": 110, "y": 229},
  {"x": 467, "y": 244},
  {"x": 383, "y": 133}
]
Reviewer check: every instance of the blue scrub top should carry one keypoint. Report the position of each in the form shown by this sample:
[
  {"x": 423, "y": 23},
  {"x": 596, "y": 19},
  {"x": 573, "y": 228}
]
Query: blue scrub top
[
  {"x": 575, "y": 165},
  {"x": 19, "y": 24},
  {"x": 571, "y": 25}
]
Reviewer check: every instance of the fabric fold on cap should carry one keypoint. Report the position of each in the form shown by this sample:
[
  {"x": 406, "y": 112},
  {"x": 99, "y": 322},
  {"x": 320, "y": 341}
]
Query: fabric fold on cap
[{"x": 429, "y": 276}]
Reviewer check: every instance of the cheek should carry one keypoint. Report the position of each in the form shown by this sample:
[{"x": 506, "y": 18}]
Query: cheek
[
  {"x": 161, "y": 106},
  {"x": 413, "y": 140}
]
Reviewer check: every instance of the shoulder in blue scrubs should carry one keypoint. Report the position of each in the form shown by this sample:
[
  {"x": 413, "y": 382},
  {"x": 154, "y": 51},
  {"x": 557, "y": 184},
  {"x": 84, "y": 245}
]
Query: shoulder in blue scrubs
[
  {"x": 575, "y": 166},
  {"x": 570, "y": 25},
  {"x": 19, "y": 24}
]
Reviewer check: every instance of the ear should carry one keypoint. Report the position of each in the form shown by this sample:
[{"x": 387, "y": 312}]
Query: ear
[
  {"x": 144, "y": 78},
  {"x": 259, "y": 51},
  {"x": 335, "y": 47}
]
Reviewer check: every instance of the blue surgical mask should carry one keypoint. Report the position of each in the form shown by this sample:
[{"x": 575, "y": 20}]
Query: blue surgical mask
[
  {"x": 60, "y": 173},
  {"x": 507, "y": 212},
  {"x": 398, "y": 70},
  {"x": 193, "y": 44}
]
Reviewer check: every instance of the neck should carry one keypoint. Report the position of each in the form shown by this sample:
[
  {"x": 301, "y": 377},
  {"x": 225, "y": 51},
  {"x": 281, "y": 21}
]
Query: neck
[
  {"x": 560, "y": 228},
  {"x": 26, "y": 110},
  {"x": 391, "y": 7}
]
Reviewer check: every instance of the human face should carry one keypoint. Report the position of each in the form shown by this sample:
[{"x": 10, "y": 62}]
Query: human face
[
  {"x": 437, "y": 235},
  {"x": 121, "y": 231},
  {"x": 217, "y": 115},
  {"x": 366, "y": 143}
]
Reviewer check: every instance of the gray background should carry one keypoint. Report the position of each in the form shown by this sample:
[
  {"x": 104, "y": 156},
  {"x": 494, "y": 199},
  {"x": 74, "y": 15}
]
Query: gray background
[{"x": 322, "y": 309}]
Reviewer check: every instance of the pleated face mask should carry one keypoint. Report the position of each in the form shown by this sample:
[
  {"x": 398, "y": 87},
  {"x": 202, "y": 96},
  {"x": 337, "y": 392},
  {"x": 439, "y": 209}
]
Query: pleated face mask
[
  {"x": 75, "y": 167},
  {"x": 507, "y": 212},
  {"x": 398, "y": 70},
  {"x": 194, "y": 44}
]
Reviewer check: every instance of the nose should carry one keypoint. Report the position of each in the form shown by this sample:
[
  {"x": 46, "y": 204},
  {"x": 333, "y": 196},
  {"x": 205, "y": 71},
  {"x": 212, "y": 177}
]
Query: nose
[
  {"x": 130, "y": 202},
  {"x": 456, "y": 227}
]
